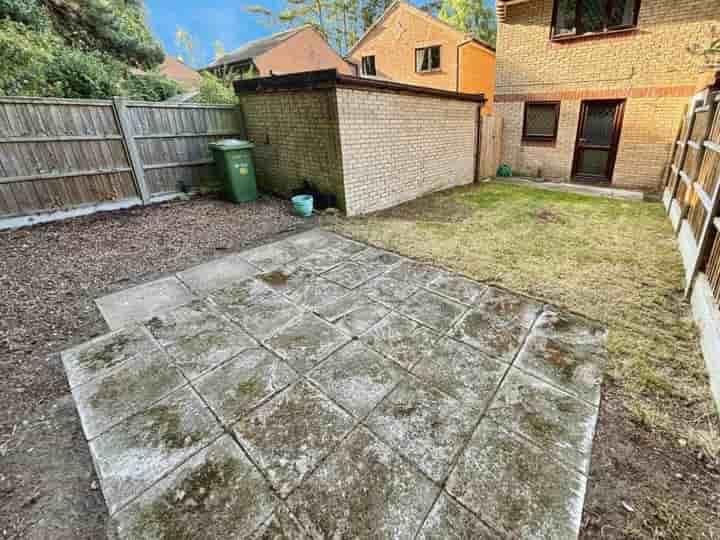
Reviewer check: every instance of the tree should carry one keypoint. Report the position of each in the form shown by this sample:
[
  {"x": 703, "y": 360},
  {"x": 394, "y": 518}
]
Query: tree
[
  {"x": 470, "y": 16},
  {"x": 186, "y": 44}
]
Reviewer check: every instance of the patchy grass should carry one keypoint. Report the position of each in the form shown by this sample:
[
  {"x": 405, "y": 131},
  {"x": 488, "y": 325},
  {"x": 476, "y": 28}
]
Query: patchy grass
[{"x": 614, "y": 261}]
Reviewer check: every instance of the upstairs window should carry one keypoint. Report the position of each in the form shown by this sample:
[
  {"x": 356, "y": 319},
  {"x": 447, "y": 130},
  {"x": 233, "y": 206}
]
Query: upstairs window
[
  {"x": 578, "y": 17},
  {"x": 427, "y": 59},
  {"x": 541, "y": 121},
  {"x": 368, "y": 65}
]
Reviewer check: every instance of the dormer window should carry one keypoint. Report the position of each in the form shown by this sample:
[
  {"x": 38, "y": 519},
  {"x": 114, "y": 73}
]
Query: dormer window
[{"x": 579, "y": 17}]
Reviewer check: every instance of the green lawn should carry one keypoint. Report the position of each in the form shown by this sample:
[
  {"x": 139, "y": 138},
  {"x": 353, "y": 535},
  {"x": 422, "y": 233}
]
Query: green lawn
[{"x": 611, "y": 260}]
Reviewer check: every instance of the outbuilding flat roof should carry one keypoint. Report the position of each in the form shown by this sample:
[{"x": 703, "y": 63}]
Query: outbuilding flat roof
[{"x": 330, "y": 78}]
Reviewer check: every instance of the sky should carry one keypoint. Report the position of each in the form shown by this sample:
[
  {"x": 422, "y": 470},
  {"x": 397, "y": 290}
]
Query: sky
[{"x": 208, "y": 21}]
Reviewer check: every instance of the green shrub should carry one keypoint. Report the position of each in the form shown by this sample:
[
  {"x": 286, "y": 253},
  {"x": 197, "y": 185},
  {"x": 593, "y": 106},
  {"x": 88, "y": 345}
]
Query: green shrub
[
  {"x": 25, "y": 58},
  {"x": 214, "y": 90},
  {"x": 29, "y": 12},
  {"x": 78, "y": 74},
  {"x": 151, "y": 87}
]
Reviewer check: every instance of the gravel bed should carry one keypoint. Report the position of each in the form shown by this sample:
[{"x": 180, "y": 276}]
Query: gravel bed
[{"x": 49, "y": 276}]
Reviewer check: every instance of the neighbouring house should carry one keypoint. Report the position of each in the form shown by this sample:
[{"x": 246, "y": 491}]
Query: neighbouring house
[
  {"x": 292, "y": 51},
  {"x": 594, "y": 94},
  {"x": 410, "y": 46},
  {"x": 181, "y": 73}
]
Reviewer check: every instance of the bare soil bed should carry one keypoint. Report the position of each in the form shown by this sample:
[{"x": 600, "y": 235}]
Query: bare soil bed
[{"x": 49, "y": 276}]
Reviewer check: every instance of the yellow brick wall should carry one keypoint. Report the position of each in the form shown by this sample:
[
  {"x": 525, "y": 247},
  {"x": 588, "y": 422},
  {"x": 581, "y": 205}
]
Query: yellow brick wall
[
  {"x": 650, "y": 67},
  {"x": 394, "y": 40},
  {"x": 296, "y": 138},
  {"x": 397, "y": 147}
]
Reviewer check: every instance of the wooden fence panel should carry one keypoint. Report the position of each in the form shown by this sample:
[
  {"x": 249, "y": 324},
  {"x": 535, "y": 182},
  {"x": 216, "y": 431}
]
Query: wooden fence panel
[
  {"x": 172, "y": 142},
  {"x": 58, "y": 154},
  {"x": 490, "y": 145}
]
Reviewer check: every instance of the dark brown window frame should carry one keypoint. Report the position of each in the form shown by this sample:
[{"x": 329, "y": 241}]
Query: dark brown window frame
[
  {"x": 578, "y": 26},
  {"x": 540, "y": 138},
  {"x": 431, "y": 70},
  {"x": 362, "y": 65}
]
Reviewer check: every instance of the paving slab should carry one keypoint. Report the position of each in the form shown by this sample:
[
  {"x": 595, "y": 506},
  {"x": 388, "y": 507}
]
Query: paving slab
[
  {"x": 188, "y": 320},
  {"x": 357, "y": 378},
  {"x": 142, "y": 302},
  {"x": 271, "y": 256},
  {"x": 256, "y": 307},
  {"x": 516, "y": 487},
  {"x": 432, "y": 310},
  {"x": 287, "y": 436},
  {"x": 306, "y": 341},
  {"x": 133, "y": 455},
  {"x": 389, "y": 291},
  {"x": 286, "y": 278},
  {"x": 459, "y": 288},
  {"x": 316, "y": 292},
  {"x": 462, "y": 372},
  {"x": 311, "y": 240},
  {"x": 499, "y": 324},
  {"x": 416, "y": 272},
  {"x": 364, "y": 490},
  {"x": 217, "y": 274},
  {"x": 401, "y": 339},
  {"x": 425, "y": 425},
  {"x": 569, "y": 352},
  {"x": 554, "y": 420},
  {"x": 122, "y": 392},
  {"x": 323, "y": 259},
  {"x": 450, "y": 520},
  {"x": 282, "y": 525},
  {"x": 95, "y": 358},
  {"x": 215, "y": 494},
  {"x": 355, "y": 313},
  {"x": 377, "y": 257},
  {"x": 244, "y": 382},
  {"x": 352, "y": 274},
  {"x": 196, "y": 354},
  {"x": 346, "y": 246}
]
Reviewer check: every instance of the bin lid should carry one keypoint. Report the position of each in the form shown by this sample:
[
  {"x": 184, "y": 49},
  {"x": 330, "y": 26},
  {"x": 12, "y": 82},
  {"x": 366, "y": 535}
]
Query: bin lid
[{"x": 231, "y": 144}]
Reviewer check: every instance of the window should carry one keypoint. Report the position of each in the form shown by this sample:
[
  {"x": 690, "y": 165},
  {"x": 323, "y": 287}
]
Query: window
[
  {"x": 427, "y": 59},
  {"x": 368, "y": 65},
  {"x": 578, "y": 17},
  {"x": 541, "y": 121}
]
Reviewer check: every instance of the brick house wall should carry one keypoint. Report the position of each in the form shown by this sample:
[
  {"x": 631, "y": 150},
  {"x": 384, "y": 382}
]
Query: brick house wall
[
  {"x": 650, "y": 67},
  {"x": 397, "y": 147},
  {"x": 373, "y": 144},
  {"x": 296, "y": 137},
  {"x": 404, "y": 28}
]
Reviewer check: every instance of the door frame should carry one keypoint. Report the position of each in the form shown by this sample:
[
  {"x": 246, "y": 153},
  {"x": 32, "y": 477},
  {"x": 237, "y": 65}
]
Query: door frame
[{"x": 614, "y": 144}]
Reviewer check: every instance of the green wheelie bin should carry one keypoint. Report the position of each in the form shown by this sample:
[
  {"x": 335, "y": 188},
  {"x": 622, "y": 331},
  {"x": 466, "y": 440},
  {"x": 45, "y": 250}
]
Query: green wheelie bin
[{"x": 235, "y": 169}]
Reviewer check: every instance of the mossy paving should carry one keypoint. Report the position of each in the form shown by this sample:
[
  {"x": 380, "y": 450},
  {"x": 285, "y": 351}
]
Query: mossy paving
[
  {"x": 205, "y": 490},
  {"x": 117, "y": 388},
  {"x": 107, "y": 355},
  {"x": 167, "y": 422},
  {"x": 275, "y": 278}
]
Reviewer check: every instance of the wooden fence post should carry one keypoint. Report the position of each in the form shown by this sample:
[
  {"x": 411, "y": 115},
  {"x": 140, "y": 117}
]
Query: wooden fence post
[{"x": 128, "y": 135}]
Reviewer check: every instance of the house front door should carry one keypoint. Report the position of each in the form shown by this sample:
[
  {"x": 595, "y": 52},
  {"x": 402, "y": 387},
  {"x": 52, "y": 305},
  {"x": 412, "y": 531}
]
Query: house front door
[{"x": 597, "y": 140}]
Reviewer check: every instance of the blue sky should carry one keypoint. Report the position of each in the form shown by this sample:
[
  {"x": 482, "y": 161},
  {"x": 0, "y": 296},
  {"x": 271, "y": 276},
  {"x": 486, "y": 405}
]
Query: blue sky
[{"x": 210, "y": 20}]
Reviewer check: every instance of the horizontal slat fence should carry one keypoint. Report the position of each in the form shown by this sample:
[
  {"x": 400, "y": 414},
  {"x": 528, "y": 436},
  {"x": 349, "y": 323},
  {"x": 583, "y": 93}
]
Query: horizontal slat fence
[
  {"x": 172, "y": 141},
  {"x": 61, "y": 154},
  {"x": 692, "y": 190}
]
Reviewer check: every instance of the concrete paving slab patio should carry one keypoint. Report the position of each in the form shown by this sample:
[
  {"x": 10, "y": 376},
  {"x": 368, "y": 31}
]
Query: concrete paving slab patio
[{"x": 316, "y": 387}]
